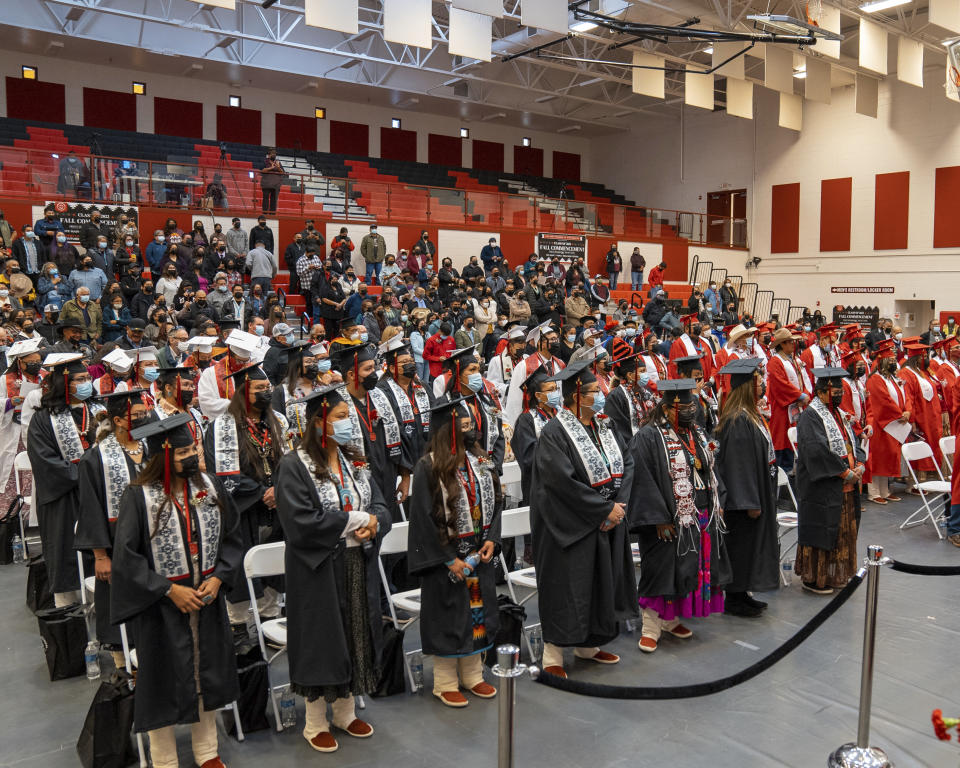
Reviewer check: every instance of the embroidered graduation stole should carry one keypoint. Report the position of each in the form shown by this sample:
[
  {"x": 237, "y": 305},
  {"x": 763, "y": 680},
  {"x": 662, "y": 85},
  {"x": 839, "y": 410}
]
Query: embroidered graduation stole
[
  {"x": 604, "y": 469},
  {"x": 403, "y": 401},
  {"x": 69, "y": 440},
  {"x": 388, "y": 417},
  {"x": 116, "y": 474},
  {"x": 835, "y": 438},
  {"x": 168, "y": 545},
  {"x": 481, "y": 471},
  {"x": 327, "y": 489},
  {"x": 681, "y": 478},
  {"x": 226, "y": 445},
  {"x": 490, "y": 432}
]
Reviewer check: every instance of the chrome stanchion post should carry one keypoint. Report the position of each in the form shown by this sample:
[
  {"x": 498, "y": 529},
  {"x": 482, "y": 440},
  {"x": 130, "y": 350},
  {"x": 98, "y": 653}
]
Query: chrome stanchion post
[
  {"x": 861, "y": 754},
  {"x": 508, "y": 668}
]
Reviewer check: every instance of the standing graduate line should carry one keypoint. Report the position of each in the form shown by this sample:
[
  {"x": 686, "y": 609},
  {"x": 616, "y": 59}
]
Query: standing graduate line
[
  {"x": 543, "y": 399},
  {"x": 411, "y": 401},
  {"x": 887, "y": 411},
  {"x": 454, "y": 536},
  {"x": 176, "y": 545},
  {"x": 301, "y": 380},
  {"x": 628, "y": 404},
  {"x": 104, "y": 472},
  {"x": 747, "y": 467},
  {"x": 578, "y": 492},
  {"x": 334, "y": 518},
  {"x": 705, "y": 404},
  {"x": 60, "y": 431},
  {"x": 921, "y": 389},
  {"x": 546, "y": 344},
  {"x": 675, "y": 509}
]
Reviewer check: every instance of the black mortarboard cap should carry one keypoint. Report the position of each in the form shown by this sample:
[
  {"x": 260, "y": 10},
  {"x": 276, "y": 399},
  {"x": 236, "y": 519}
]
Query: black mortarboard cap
[
  {"x": 118, "y": 402},
  {"x": 688, "y": 364},
  {"x": 173, "y": 430},
  {"x": 252, "y": 372},
  {"x": 463, "y": 356},
  {"x": 740, "y": 370},
  {"x": 330, "y": 395},
  {"x": 829, "y": 375},
  {"x": 573, "y": 374},
  {"x": 676, "y": 389}
]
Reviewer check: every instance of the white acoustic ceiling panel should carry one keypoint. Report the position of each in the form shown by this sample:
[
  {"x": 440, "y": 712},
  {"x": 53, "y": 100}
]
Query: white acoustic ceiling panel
[
  {"x": 778, "y": 68},
  {"x": 910, "y": 60},
  {"x": 722, "y": 52},
  {"x": 648, "y": 82},
  {"x": 791, "y": 111},
  {"x": 698, "y": 90},
  {"x": 868, "y": 95},
  {"x": 492, "y": 8},
  {"x": 338, "y": 15},
  {"x": 550, "y": 15},
  {"x": 817, "y": 83},
  {"x": 944, "y": 13},
  {"x": 740, "y": 98},
  {"x": 470, "y": 34},
  {"x": 830, "y": 21},
  {"x": 230, "y": 5},
  {"x": 873, "y": 47},
  {"x": 408, "y": 22}
]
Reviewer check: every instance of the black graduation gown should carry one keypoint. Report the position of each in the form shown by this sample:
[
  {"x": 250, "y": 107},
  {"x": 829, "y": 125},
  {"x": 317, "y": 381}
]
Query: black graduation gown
[
  {"x": 744, "y": 470},
  {"x": 584, "y": 575},
  {"x": 524, "y": 446},
  {"x": 819, "y": 486},
  {"x": 446, "y": 625},
  {"x": 618, "y": 410},
  {"x": 382, "y": 468},
  {"x": 413, "y": 441},
  {"x": 94, "y": 531},
  {"x": 664, "y": 573},
  {"x": 166, "y": 691},
  {"x": 487, "y": 425},
  {"x": 57, "y": 498},
  {"x": 317, "y": 646}
]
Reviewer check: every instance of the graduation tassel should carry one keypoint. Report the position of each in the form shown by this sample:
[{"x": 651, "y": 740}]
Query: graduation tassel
[
  {"x": 453, "y": 433},
  {"x": 578, "y": 398},
  {"x": 129, "y": 420},
  {"x": 166, "y": 467},
  {"x": 66, "y": 385},
  {"x": 459, "y": 391},
  {"x": 179, "y": 394},
  {"x": 323, "y": 436}
]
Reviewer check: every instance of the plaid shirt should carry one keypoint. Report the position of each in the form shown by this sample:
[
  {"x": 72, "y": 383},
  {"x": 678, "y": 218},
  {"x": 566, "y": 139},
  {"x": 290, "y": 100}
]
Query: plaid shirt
[{"x": 303, "y": 269}]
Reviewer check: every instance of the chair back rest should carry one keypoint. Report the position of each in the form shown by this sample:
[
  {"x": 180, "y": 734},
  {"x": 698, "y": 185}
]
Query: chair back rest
[
  {"x": 21, "y": 462},
  {"x": 792, "y": 437},
  {"x": 511, "y": 473},
  {"x": 395, "y": 542},
  {"x": 948, "y": 445},
  {"x": 264, "y": 560},
  {"x": 916, "y": 451},
  {"x": 782, "y": 478},
  {"x": 515, "y": 522}
]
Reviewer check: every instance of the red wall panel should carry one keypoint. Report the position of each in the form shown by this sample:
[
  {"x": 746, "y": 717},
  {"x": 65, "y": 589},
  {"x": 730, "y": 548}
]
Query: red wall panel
[
  {"x": 445, "y": 150},
  {"x": 835, "y": 201},
  {"x": 109, "y": 109},
  {"x": 36, "y": 100},
  {"x": 397, "y": 144},
  {"x": 238, "y": 124},
  {"x": 349, "y": 139},
  {"x": 566, "y": 166},
  {"x": 946, "y": 223},
  {"x": 785, "y": 218},
  {"x": 296, "y": 132},
  {"x": 891, "y": 210},
  {"x": 487, "y": 155},
  {"x": 528, "y": 161},
  {"x": 174, "y": 117}
]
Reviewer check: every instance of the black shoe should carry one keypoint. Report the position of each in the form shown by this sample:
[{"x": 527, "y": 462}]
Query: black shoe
[
  {"x": 752, "y": 601},
  {"x": 740, "y": 607}
]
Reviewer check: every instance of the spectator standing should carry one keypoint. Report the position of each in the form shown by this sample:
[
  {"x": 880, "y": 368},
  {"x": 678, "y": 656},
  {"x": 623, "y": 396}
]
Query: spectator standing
[
  {"x": 728, "y": 296},
  {"x": 656, "y": 278},
  {"x": 293, "y": 253},
  {"x": 262, "y": 266},
  {"x": 81, "y": 309},
  {"x": 103, "y": 257},
  {"x": 712, "y": 296},
  {"x": 437, "y": 348},
  {"x": 271, "y": 177},
  {"x": 261, "y": 233},
  {"x": 156, "y": 250},
  {"x": 73, "y": 176},
  {"x": 491, "y": 256},
  {"x": 426, "y": 246},
  {"x": 237, "y": 240},
  {"x": 614, "y": 266},
  {"x": 169, "y": 284},
  {"x": 48, "y": 227},
  {"x": 90, "y": 277},
  {"x": 92, "y": 230},
  {"x": 373, "y": 248},
  {"x": 7, "y": 232},
  {"x": 30, "y": 253},
  {"x": 637, "y": 265}
]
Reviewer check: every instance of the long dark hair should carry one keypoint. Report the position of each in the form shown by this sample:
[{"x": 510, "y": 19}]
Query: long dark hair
[
  {"x": 238, "y": 409},
  {"x": 152, "y": 474},
  {"x": 741, "y": 399},
  {"x": 313, "y": 447},
  {"x": 444, "y": 469},
  {"x": 294, "y": 375}
]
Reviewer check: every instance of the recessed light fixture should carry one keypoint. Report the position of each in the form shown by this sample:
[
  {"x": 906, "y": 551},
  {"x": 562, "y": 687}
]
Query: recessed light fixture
[
  {"x": 526, "y": 141},
  {"x": 582, "y": 26},
  {"x": 464, "y": 133},
  {"x": 29, "y": 73},
  {"x": 708, "y": 49},
  {"x": 394, "y": 122},
  {"x": 139, "y": 89},
  {"x": 234, "y": 101},
  {"x": 882, "y": 5},
  {"x": 320, "y": 113}
]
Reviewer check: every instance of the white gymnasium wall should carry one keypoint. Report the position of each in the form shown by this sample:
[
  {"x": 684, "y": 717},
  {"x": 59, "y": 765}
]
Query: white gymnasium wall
[
  {"x": 75, "y": 75},
  {"x": 459, "y": 245}
]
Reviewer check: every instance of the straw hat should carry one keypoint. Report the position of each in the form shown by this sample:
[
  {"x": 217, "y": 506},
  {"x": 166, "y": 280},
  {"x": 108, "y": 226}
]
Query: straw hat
[{"x": 740, "y": 331}]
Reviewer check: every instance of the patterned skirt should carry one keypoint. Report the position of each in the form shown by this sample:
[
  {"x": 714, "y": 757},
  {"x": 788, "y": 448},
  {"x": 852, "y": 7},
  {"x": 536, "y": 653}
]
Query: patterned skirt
[
  {"x": 9, "y": 492},
  {"x": 832, "y": 567}
]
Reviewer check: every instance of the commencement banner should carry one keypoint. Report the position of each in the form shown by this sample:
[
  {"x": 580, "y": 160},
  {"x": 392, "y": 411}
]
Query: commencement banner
[
  {"x": 74, "y": 215},
  {"x": 863, "y": 316},
  {"x": 563, "y": 247}
]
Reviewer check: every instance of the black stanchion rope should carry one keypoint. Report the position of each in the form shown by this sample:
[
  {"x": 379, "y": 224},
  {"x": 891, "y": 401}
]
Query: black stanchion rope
[
  {"x": 926, "y": 570},
  {"x": 716, "y": 686}
]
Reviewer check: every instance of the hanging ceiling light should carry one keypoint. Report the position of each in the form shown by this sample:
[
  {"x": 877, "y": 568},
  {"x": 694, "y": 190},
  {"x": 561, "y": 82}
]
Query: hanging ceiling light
[{"x": 882, "y": 5}]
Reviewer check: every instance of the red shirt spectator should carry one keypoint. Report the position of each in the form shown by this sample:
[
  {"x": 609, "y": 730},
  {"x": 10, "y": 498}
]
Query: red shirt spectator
[
  {"x": 435, "y": 351},
  {"x": 656, "y": 275}
]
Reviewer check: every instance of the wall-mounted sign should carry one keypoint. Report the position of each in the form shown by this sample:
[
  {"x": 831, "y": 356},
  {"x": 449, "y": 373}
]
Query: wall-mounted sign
[
  {"x": 861, "y": 289},
  {"x": 864, "y": 316},
  {"x": 564, "y": 247}
]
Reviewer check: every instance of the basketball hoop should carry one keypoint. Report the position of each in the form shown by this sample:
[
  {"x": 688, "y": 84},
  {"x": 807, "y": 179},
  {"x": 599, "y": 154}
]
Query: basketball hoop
[
  {"x": 814, "y": 12},
  {"x": 953, "y": 70}
]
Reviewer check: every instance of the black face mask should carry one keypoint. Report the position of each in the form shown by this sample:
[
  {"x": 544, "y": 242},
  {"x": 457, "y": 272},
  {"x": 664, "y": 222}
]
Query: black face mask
[
  {"x": 186, "y": 397},
  {"x": 201, "y": 364},
  {"x": 262, "y": 399},
  {"x": 470, "y": 438},
  {"x": 311, "y": 371},
  {"x": 836, "y": 398},
  {"x": 141, "y": 422},
  {"x": 686, "y": 415},
  {"x": 369, "y": 382},
  {"x": 201, "y": 302},
  {"x": 32, "y": 368},
  {"x": 859, "y": 372},
  {"x": 555, "y": 348},
  {"x": 409, "y": 370},
  {"x": 238, "y": 297},
  {"x": 189, "y": 466}
]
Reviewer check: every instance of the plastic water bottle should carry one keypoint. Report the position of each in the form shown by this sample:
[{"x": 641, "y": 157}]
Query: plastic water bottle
[
  {"x": 535, "y": 636},
  {"x": 518, "y": 564},
  {"x": 17, "y": 546},
  {"x": 288, "y": 709},
  {"x": 787, "y": 567},
  {"x": 251, "y": 624},
  {"x": 416, "y": 670},
  {"x": 630, "y": 626},
  {"x": 92, "y": 658}
]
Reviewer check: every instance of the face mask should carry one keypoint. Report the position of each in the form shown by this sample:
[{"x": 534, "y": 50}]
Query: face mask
[
  {"x": 342, "y": 431},
  {"x": 118, "y": 307},
  {"x": 54, "y": 273},
  {"x": 102, "y": 244},
  {"x": 141, "y": 422},
  {"x": 898, "y": 336},
  {"x": 129, "y": 243},
  {"x": 32, "y": 369},
  {"x": 84, "y": 390},
  {"x": 323, "y": 365},
  {"x": 151, "y": 374},
  {"x": 201, "y": 364},
  {"x": 364, "y": 336},
  {"x": 289, "y": 338},
  {"x": 369, "y": 382},
  {"x": 161, "y": 238},
  {"x": 61, "y": 239},
  {"x": 555, "y": 399},
  {"x": 685, "y": 416},
  {"x": 262, "y": 399},
  {"x": 29, "y": 235},
  {"x": 629, "y": 332},
  {"x": 238, "y": 297},
  {"x": 469, "y": 438},
  {"x": 373, "y": 231},
  {"x": 836, "y": 398},
  {"x": 189, "y": 466},
  {"x": 83, "y": 299},
  {"x": 599, "y": 400},
  {"x": 936, "y": 329},
  {"x": 860, "y": 372},
  {"x": 222, "y": 288},
  {"x": 475, "y": 382},
  {"x": 571, "y": 337},
  {"x": 807, "y": 328}
]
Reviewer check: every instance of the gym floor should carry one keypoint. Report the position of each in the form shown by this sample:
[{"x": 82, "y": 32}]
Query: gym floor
[{"x": 794, "y": 714}]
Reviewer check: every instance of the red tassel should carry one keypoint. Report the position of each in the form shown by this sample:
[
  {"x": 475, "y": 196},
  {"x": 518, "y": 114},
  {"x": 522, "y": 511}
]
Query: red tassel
[
  {"x": 356, "y": 370},
  {"x": 129, "y": 420},
  {"x": 179, "y": 394},
  {"x": 459, "y": 391},
  {"x": 373, "y": 435},
  {"x": 323, "y": 437},
  {"x": 66, "y": 384},
  {"x": 453, "y": 433},
  {"x": 166, "y": 467},
  {"x": 246, "y": 393}
]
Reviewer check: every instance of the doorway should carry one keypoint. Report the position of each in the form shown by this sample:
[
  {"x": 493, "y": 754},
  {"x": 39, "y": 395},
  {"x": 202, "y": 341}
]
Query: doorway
[
  {"x": 727, "y": 218},
  {"x": 913, "y": 316}
]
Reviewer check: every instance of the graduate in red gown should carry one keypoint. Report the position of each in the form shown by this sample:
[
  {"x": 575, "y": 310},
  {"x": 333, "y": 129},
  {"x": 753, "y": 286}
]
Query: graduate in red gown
[
  {"x": 922, "y": 391},
  {"x": 948, "y": 371},
  {"x": 886, "y": 406},
  {"x": 785, "y": 394}
]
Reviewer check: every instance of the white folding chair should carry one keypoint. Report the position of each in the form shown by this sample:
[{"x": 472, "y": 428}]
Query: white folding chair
[
  {"x": 937, "y": 489},
  {"x": 792, "y": 437},
  {"x": 786, "y": 522},
  {"x": 948, "y": 447},
  {"x": 21, "y": 463},
  {"x": 513, "y": 523},
  {"x": 510, "y": 480},
  {"x": 129, "y": 662},
  {"x": 783, "y": 480},
  {"x": 261, "y": 561},
  {"x": 395, "y": 543}
]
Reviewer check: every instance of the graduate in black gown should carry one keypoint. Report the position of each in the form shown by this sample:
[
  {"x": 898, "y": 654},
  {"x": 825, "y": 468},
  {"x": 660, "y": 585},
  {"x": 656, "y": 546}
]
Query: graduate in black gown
[
  {"x": 464, "y": 378},
  {"x": 746, "y": 465},
  {"x": 705, "y": 405},
  {"x": 410, "y": 401},
  {"x": 333, "y": 518},
  {"x": 177, "y": 543},
  {"x": 675, "y": 508},
  {"x": 454, "y": 536},
  {"x": 542, "y": 399},
  {"x": 300, "y": 381},
  {"x": 628, "y": 403},
  {"x": 578, "y": 494},
  {"x": 242, "y": 447},
  {"x": 105, "y": 471},
  {"x": 61, "y": 430}
]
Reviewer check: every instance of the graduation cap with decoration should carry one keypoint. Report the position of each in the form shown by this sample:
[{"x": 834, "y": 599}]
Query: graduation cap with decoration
[
  {"x": 829, "y": 377},
  {"x": 517, "y": 333},
  {"x": 687, "y": 365},
  {"x": 828, "y": 330},
  {"x": 201, "y": 344},
  {"x": 163, "y": 437},
  {"x": 65, "y": 364},
  {"x": 245, "y": 375},
  {"x": 391, "y": 349},
  {"x": 321, "y": 402},
  {"x": 456, "y": 361},
  {"x": 141, "y": 355},
  {"x": 444, "y": 415},
  {"x": 241, "y": 343},
  {"x": 534, "y": 334},
  {"x": 348, "y": 356},
  {"x": 623, "y": 357},
  {"x": 687, "y": 320},
  {"x": 120, "y": 404},
  {"x": 118, "y": 360},
  {"x": 740, "y": 370}
]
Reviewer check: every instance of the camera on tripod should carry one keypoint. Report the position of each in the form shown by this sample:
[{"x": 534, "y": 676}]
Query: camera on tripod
[{"x": 223, "y": 149}]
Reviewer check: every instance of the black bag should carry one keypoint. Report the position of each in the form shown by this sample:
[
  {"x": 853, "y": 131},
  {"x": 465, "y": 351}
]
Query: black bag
[
  {"x": 510, "y": 630},
  {"x": 105, "y": 739},
  {"x": 393, "y": 676},
  {"x": 254, "y": 688},
  {"x": 63, "y": 633},
  {"x": 39, "y": 596},
  {"x": 9, "y": 527}
]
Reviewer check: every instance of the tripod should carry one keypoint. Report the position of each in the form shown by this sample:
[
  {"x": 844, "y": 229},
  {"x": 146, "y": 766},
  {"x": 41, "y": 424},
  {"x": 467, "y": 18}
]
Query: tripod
[
  {"x": 223, "y": 165},
  {"x": 96, "y": 175}
]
